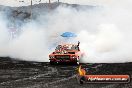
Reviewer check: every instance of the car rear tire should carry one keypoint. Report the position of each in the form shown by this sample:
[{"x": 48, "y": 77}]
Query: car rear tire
[{"x": 52, "y": 62}]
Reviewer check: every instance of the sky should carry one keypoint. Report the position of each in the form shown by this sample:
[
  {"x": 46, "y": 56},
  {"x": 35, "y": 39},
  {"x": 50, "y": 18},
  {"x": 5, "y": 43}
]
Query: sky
[{"x": 27, "y": 2}]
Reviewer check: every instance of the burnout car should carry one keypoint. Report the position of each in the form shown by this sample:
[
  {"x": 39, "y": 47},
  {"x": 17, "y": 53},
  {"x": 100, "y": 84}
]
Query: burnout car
[{"x": 66, "y": 53}]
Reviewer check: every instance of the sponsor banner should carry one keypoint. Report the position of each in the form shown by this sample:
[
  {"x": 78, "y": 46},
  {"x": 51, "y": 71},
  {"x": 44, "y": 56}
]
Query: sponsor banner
[{"x": 107, "y": 78}]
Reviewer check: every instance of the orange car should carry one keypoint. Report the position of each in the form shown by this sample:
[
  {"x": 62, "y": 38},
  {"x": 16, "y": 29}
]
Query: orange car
[{"x": 66, "y": 53}]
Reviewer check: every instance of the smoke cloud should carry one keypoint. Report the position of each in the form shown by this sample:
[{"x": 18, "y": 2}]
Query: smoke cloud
[{"x": 104, "y": 33}]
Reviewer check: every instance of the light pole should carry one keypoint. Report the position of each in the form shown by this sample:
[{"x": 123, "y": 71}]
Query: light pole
[
  {"x": 49, "y": 4},
  {"x": 31, "y": 9}
]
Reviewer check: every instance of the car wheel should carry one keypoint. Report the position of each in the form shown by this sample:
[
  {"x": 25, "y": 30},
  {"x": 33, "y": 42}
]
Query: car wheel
[{"x": 52, "y": 62}]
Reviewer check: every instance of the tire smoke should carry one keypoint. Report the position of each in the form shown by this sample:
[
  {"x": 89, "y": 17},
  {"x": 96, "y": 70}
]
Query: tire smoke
[{"x": 104, "y": 33}]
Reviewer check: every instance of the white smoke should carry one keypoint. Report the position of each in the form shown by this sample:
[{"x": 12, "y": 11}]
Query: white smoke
[{"x": 104, "y": 33}]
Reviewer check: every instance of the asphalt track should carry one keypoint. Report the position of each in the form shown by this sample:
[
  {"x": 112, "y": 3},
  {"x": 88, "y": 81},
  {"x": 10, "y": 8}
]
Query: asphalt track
[{"x": 23, "y": 74}]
